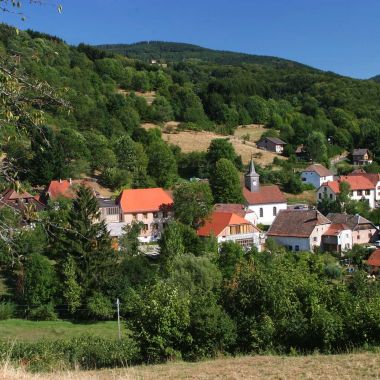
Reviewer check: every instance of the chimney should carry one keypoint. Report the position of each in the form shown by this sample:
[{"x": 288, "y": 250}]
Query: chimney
[
  {"x": 60, "y": 181},
  {"x": 70, "y": 181}
]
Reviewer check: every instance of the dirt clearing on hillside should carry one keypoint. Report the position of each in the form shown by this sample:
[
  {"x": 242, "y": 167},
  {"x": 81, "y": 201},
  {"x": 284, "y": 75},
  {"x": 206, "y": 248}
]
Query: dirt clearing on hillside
[{"x": 190, "y": 141}]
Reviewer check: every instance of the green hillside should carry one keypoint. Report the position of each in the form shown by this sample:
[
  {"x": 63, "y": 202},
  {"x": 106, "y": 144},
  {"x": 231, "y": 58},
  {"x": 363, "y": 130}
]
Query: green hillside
[{"x": 179, "y": 52}]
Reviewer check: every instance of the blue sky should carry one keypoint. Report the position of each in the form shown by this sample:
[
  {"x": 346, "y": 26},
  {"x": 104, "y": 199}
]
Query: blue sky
[{"x": 337, "y": 35}]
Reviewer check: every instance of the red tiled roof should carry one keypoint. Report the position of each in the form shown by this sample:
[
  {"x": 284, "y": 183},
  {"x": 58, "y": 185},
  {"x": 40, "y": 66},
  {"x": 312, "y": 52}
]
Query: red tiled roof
[
  {"x": 336, "y": 229},
  {"x": 218, "y": 221},
  {"x": 296, "y": 223},
  {"x": 319, "y": 169},
  {"x": 374, "y": 259},
  {"x": 144, "y": 200},
  {"x": 60, "y": 188},
  {"x": 356, "y": 182},
  {"x": 11, "y": 194},
  {"x": 373, "y": 177},
  {"x": 266, "y": 194}
]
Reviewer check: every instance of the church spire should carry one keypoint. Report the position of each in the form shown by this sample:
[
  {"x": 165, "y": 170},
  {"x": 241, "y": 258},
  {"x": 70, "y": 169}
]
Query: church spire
[{"x": 252, "y": 179}]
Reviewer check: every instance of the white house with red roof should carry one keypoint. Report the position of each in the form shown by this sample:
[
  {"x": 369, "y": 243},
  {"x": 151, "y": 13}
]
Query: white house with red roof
[
  {"x": 265, "y": 200},
  {"x": 361, "y": 189},
  {"x": 228, "y": 226},
  {"x": 151, "y": 207},
  {"x": 338, "y": 238},
  {"x": 316, "y": 175}
]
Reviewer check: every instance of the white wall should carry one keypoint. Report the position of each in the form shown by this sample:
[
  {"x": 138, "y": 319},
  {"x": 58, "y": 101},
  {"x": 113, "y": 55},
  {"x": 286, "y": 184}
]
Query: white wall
[
  {"x": 268, "y": 217},
  {"x": 314, "y": 179},
  {"x": 255, "y": 236},
  {"x": 291, "y": 242}
]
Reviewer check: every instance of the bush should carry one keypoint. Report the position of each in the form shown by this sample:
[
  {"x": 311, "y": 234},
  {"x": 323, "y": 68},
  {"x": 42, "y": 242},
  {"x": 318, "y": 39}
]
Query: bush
[
  {"x": 7, "y": 310},
  {"x": 99, "y": 306},
  {"x": 85, "y": 352},
  {"x": 43, "y": 313}
]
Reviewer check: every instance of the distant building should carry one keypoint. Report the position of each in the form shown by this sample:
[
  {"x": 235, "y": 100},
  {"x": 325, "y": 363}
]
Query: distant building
[
  {"x": 20, "y": 201},
  {"x": 363, "y": 231},
  {"x": 316, "y": 175},
  {"x": 239, "y": 209},
  {"x": 374, "y": 261},
  {"x": 361, "y": 189},
  {"x": 151, "y": 207},
  {"x": 228, "y": 226},
  {"x": 66, "y": 188},
  {"x": 265, "y": 200},
  {"x": 361, "y": 157},
  {"x": 299, "y": 230},
  {"x": 338, "y": 238},
  {"x": 273, "y": 144}
]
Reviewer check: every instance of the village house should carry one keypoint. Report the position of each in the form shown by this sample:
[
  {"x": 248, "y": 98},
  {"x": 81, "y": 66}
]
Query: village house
[
  {"x": 374, "y": 178},
  {"x": 273, "y": 144},
  {"x": 228, "y": 226},
  {"x": 151, "y": 207},
  {"x": 361, "y": 189},
  {"x": 264, "y": 200},
  {"x": 374, "y": 262},
  {"x": 338, "y": 238},
  {"x": 299, "y": 230},
  {"x": 20, "y": 201},
  {"x": 316, "y": 175},
  {"x": 363, "y": 231},
  {"x": 239, "y": 209},
  {"x": 66, "y": 188},
  {"x": 361, "y": 157}
]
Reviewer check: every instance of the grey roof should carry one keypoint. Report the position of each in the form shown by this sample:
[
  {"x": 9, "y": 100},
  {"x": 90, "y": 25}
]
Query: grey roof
[
  {"x": 106, "y": 202},
  {"x": 359, "y": 152},
  {"x": 275, "y": 140},
  {"x": 352, "y": 221},
  {"x": 252, "y": 170}
]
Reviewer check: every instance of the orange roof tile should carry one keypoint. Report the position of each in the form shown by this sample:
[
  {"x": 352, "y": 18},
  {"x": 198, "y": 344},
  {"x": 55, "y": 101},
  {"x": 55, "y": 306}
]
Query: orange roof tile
[
  {"x": 374, "y": 259},
  {"x": 266, "y": 194},
  {"x": 218, "y": 221},
  {"x": 144, "y": 200},
  {"x": 336, "y": 229},
  {"x": 60, "y": 188},
  {"x": 356, "y": 182}
]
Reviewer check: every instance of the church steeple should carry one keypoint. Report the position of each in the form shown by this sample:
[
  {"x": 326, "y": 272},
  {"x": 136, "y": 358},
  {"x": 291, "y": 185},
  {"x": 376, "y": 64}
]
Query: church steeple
[{"x": 252, "y": 179}]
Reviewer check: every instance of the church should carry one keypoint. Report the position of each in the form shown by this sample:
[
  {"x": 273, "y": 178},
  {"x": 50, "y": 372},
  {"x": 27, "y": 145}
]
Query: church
[{"x": 265, "y": 200}]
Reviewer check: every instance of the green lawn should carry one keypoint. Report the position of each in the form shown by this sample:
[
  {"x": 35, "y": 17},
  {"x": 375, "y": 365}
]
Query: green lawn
[{"x": 19, "y": 329}]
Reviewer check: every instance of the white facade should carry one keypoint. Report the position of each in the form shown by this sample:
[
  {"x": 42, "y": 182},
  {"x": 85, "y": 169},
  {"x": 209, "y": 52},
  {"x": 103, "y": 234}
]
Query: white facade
[
  {"x": 295, "y": 243},
  {"x": 266, "y": 213},
  {"x": 356, "y": 195},
  {"x": 315, "y": 179},
  {"x": 342, "y": 241}
]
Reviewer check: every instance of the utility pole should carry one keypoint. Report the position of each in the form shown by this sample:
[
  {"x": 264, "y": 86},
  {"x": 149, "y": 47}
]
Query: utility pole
[{"x": 118, "y": 317}]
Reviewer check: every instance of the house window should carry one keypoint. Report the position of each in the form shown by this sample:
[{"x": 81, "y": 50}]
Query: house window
[
  {"x": 360, "y": 192},
  {"x": 155, "y": 226},
  {"x": 330, "y": 196},
  {"x": 320, "y": 196},
  {"x": 146, "y": 227},
  {"x": 155, "y": 215},
  {"x": 369, "y": 234},
  {"x": 367, "y": 192},
  {"x": 314, "y": 238},
  {"x": 145, "y": 215},
  {"x": 274, "y": 211},
  {"x": 134, "y": 216},
  {"x": 297, "y": 248},
  {"x": 358, "y": 237},
  {"x": 261, "y": 212}
]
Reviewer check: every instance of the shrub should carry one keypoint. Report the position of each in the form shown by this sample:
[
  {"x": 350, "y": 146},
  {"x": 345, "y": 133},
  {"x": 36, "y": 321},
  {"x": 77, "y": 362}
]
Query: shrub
[
  {"x": 7, "y": 310},
  {"x": 99, "y": 306},
  {"x": 43, "y": 313}
]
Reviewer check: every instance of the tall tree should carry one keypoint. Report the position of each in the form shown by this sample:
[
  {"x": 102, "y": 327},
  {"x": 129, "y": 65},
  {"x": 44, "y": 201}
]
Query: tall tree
[{"x": 225, "y": 183}]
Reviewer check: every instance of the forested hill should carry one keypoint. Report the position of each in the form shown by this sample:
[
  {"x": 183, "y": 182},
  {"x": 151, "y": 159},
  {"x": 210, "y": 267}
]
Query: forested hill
[
  {"x": 102, "y": 132},
  {"x": 376, "y": 78},
  {"x": 179, "y": 52}
]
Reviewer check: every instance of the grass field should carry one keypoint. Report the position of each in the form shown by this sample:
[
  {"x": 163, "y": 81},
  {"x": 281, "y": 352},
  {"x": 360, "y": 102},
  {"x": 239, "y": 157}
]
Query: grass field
[
  {"x": 343, "y": 367},
  {"x": 308, "y": 196},
  {"x": 190, "y": 141},
  {"x": 22, "y": 330}
]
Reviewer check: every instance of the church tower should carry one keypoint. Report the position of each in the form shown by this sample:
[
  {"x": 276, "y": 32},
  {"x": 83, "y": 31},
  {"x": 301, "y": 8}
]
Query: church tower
[{"x": 252, "y": 179}]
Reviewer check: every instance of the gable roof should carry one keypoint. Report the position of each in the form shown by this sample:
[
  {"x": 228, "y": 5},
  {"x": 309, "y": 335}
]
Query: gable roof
[
  {"x": 296, "y": 223},
  {"x": 374, "y": 259},
  {"x": 218, "y": 221},
  {"x": 235, "y": 208},
  {"x": 356, "y": 182},
  {"x": 144, "y": 200},
  {"x": 373, "y": 177},
  {"x": 12, "y": 195},
  {"x": 354, "y": 222},
  {"x": 359, "y": 152},
  {"x": 274, "y": 140},
  {"x": 11, "y": 198},
  {"x": 321, "y": 170},
  {"x": 60, "y": 188},
  {"x": 267, "y": 194},
  {"x": 336, "y": 229}
]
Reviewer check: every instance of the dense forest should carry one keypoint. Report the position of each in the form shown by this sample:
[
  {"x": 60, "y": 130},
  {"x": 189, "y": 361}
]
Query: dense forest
[{"x": 196, "y": 299}]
